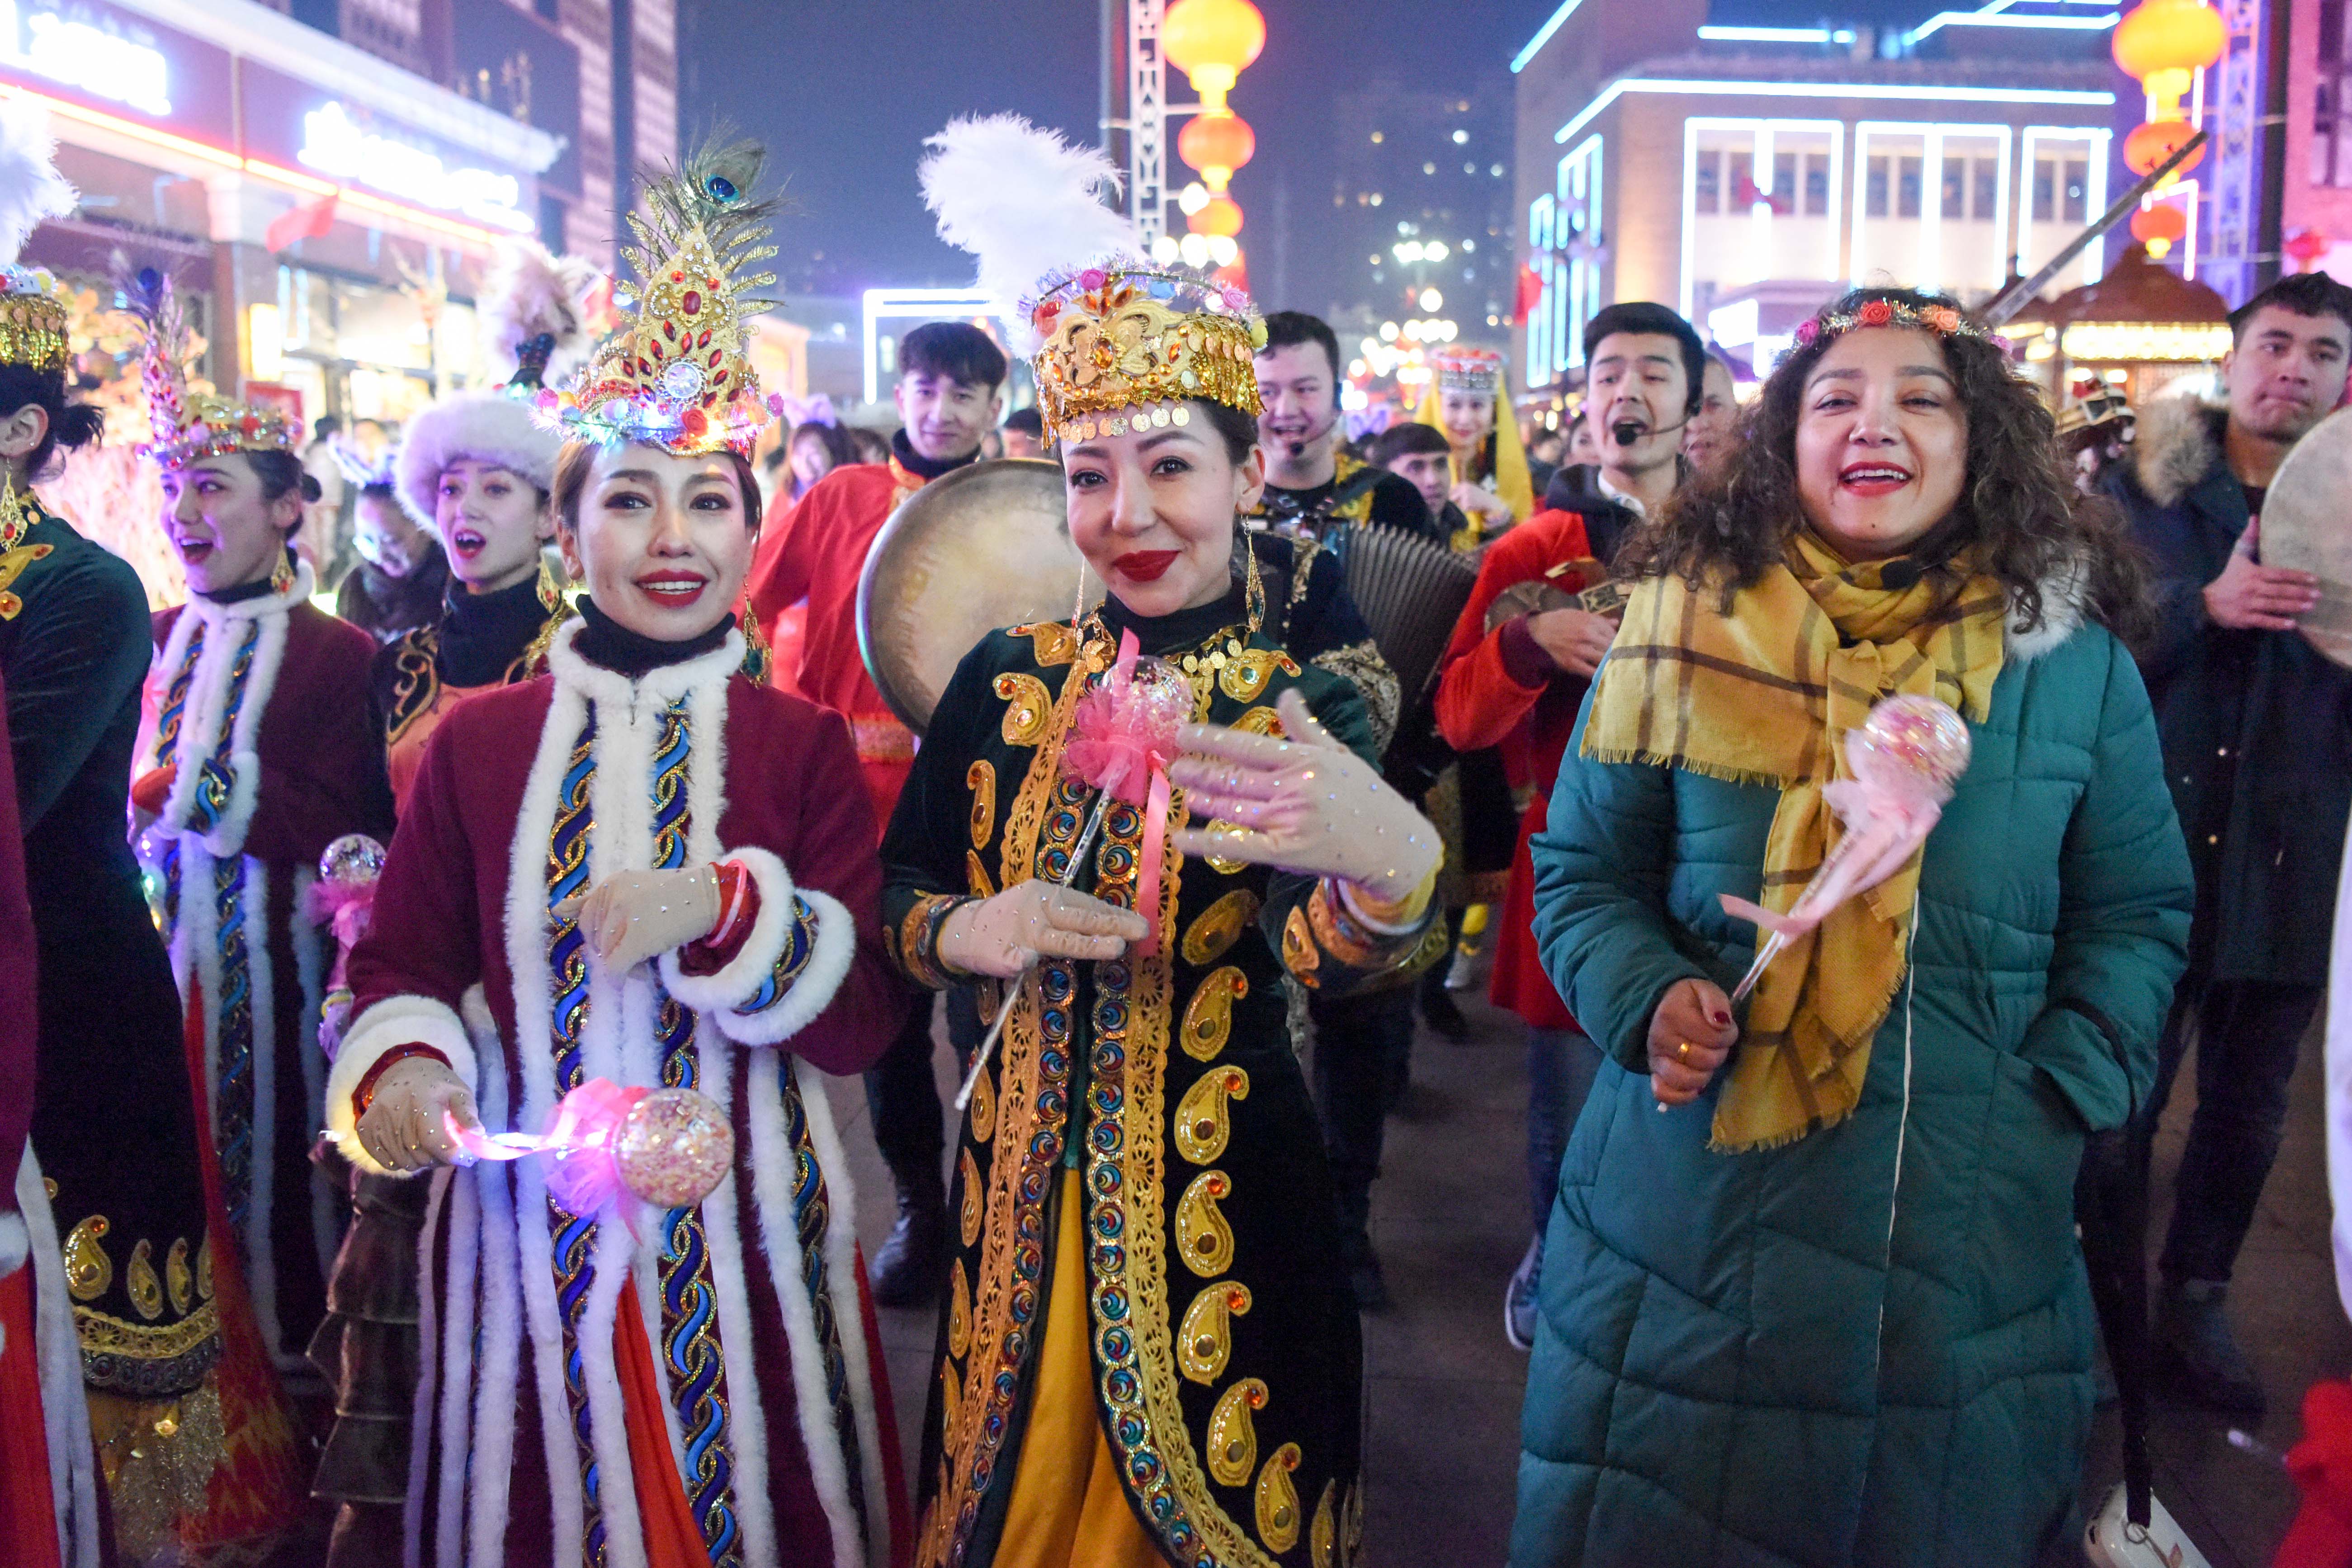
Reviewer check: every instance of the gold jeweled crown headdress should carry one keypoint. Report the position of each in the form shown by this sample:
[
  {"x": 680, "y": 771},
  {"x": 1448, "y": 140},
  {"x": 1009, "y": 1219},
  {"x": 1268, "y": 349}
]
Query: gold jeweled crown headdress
[
  {"x": 1106, "y": 331},
  {"x": 187, "y": 425},
  {"x": 1132, "y": 335},
  {"x": 31, "y": 320},
  {"x": 676, "y": 375},
  {"x": 32, "y": 312},
  {"x": 1468, "y": 370}
]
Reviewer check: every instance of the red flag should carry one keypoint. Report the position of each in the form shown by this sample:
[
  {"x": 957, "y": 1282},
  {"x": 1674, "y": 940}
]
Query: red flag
[
  {"x": 1530, "y": 295},
  {"x": 311, "y": 220}
]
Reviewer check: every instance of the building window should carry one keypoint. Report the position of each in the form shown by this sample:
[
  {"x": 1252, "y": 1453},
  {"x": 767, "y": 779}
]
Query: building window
[
  {"x": 1784, "y": 181},
  {"x": 2061, "y": 190},
  {"x": 1955, "y": 198},
  {"x": 1817, "y": 184},
  {"x": 1739, "y": 184},
  {"x": 2331, "y": 100},
  {"x": 1987, "y": 189},
  {"x": 1875, "y": 190},
  {"x": 1907, "y": 187},
  {"x": 1708, "y": 183}
]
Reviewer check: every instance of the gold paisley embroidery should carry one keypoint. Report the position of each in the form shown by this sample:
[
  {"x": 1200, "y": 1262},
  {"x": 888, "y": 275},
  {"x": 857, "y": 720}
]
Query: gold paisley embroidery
[
  {"x": 177, "y": 1279},
  {"x": 1204, "y": 1120},
  {"x": 1244, "y": 678},
  {"x": 1299, "y": 953},
  {"x": 968, "y": 1220},
  {"x": 204, "y": 1269},
  {"x": 1232, "y": 1435},
  {"x": 88, "y": 1270},
  {"x": 982, "y": 1110},
  {"x": 1323, "y": 1535},
  {"x": 959, "y": 1312},
  {"x": 1218, "y": 927},
  {"x": 100, "y": 1335},
  {"x": 950, "y": 1394},
  {"x": 981, "y": 778},
  {"x": 978, "y": 875},
  {"x": 1027, "y": 708},
  {"x": 1277, "y": 1501},
  {"x": 1202, "y": 1236},
  {"x": 1206, "y": 1338},
  {"x": 1051, "y": 642},
  {"x": 1260, "y": 721},
  {"x": 1209, "y": 1017},
  {"x": 140, "y": 1283}
]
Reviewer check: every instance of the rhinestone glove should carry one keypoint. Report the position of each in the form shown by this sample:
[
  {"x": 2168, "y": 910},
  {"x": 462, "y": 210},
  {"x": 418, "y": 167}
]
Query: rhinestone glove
[
  {"x": 632, "y": 916},
  {"x": 1305, "y": 804},
  {"x": 403, "y": 1127},
  {"x": 1005, "y": 934}
]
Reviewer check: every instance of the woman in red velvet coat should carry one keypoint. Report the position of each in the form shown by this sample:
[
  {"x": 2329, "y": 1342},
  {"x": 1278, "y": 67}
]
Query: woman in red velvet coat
[{"x": 647, "y": 868}]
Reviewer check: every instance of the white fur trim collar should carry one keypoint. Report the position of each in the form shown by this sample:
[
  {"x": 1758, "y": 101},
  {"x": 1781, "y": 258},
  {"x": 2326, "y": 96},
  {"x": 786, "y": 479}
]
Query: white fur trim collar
[{"x": 2064, "y": 607}]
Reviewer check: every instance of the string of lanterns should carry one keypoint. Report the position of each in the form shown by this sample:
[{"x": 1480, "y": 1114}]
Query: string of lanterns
[
  {"x": 1212, "y": 42},
  {"x": 2161, "y": 44}
]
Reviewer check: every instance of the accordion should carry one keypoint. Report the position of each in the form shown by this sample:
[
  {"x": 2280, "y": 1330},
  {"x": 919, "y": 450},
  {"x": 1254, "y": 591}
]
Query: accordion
[{"x": 1410, "y": 590}]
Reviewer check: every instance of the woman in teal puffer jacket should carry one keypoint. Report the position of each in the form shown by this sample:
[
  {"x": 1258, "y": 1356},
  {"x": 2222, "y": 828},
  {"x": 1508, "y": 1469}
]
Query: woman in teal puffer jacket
[{"x": 1811, "y": 1294}]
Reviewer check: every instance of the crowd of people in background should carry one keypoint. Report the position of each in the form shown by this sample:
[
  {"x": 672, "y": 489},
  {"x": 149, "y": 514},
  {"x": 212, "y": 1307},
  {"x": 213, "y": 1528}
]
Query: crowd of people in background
[{"x": 1804, "y": 1276}]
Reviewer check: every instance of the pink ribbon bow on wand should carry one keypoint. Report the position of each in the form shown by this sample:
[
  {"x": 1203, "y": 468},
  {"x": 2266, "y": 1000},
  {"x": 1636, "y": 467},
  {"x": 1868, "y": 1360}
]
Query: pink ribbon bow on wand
[
  {"x": 1123, "y": 738},
  {"x": 670, "y": 1146},
  {"x": 1906, "y": 758}
]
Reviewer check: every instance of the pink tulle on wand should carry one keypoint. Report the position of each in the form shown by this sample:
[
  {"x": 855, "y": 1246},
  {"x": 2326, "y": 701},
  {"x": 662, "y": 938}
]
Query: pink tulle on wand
[
  {"x": 667, "y": 1146},
  {"x": 1906, "y": 758}
]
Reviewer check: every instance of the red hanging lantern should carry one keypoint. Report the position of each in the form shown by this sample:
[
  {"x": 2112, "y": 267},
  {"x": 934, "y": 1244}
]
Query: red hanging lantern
[
  {"x": 1211, "y": 42},
  {"x": 2307, "y": 245},
  {"x": 1216, "y": 145},
  {"x": 2149, "y": 145},
  {"x": 2168, "y": 34},
  {"x": 2161, "y": 222}
]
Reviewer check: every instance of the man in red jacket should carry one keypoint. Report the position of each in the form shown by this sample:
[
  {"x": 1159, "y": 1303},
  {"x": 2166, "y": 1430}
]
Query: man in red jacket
[
  {"x": 1516, "y": 674},
  {"x": 950, "y": 390}
]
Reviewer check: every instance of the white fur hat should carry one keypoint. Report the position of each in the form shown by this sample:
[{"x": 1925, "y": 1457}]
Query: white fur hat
[{"x": 489, "y": 427}]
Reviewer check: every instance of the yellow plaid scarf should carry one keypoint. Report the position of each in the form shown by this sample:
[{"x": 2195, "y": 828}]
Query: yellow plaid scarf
[{"x": 1765, "y": 695}]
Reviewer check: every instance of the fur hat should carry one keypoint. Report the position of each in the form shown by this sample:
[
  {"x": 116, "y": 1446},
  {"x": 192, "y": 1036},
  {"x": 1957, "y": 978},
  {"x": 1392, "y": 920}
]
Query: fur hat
[{"x": 489, "y": 427}]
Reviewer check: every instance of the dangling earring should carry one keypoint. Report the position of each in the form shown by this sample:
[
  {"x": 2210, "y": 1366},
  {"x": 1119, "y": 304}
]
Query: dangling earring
[
  {"x": 281, "y": 576},
  {"x": 1253, "y": 586},
  {"x": 18, "y": 511},
  {"x": 551, "y": 591}
]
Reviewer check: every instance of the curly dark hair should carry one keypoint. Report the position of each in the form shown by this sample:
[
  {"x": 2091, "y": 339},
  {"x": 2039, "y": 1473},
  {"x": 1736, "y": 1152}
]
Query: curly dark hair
[{"x": 1730, "y": 526}]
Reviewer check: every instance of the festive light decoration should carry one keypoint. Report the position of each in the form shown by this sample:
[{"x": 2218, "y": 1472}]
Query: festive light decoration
[
  {"x": 1212, "y": 41},
  {"x": 669, "y": 1147},
  {"x": 1216, "y": 145},
  {"x": 2123, "y": 342},
  {"x": 2159, "y": 227},
  {"x": 1220, "y": 215},
  {"x": 2149, "y": 145},
  {"x": 2306, "y": 245}
]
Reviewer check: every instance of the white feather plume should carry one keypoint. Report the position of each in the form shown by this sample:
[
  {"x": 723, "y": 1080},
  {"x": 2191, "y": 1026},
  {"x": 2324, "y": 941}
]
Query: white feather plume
[
  {"x": 531, "y": 291},
  {"x": 31, "y": 188},
  {"x": 1024, "y": 202}
]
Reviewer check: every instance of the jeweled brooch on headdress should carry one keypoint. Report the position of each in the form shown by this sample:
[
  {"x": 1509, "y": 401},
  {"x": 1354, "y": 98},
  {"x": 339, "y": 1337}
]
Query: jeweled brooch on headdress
[
  {"x": 675, "y": 374},
  {"x": 1129, "y": 334}
]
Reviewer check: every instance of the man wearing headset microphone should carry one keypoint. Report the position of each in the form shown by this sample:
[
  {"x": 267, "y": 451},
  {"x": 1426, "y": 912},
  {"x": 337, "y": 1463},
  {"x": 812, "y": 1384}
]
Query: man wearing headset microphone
[{"x": 1541, "y": 617}]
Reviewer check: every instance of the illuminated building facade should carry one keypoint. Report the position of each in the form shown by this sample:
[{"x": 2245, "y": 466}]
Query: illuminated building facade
[
  {"x": 327, "y": 179},
  {"x": 1745, "y": 172}
]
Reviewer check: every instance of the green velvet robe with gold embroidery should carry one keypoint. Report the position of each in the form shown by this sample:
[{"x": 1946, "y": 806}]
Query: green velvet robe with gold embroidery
[{"x": 1226, "y": 1350}]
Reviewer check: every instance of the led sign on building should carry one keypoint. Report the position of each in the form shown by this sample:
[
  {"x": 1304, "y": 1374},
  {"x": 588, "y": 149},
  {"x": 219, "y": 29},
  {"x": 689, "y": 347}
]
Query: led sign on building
[
  {"x": 334, "y": 143},
  {"x": 76, "y": 54}
]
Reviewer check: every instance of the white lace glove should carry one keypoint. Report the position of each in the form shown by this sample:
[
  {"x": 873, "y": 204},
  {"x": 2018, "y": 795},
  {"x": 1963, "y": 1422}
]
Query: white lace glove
[
  {"x": 632, "y": 916},
  {"x": 1307, "y": 805},
  {"x": 1005, "y": 934},
  {"x": 403, "y": 1129}
]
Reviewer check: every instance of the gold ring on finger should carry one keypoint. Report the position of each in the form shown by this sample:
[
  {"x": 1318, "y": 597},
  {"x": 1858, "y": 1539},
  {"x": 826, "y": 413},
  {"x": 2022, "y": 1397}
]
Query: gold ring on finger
[{"x": 1682, "y": 1049}]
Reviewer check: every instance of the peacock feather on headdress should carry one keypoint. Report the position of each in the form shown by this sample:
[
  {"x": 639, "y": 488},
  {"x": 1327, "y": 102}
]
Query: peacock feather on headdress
[{"x": 675, "y": 374}]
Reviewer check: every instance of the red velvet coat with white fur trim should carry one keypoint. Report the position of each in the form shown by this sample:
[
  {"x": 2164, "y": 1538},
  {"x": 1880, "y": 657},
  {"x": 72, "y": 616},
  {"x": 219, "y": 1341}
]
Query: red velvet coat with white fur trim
[{"x": 529, "y": 793}]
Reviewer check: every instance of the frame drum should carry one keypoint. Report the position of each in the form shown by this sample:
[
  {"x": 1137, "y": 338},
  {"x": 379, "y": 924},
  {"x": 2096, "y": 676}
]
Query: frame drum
[
  {"x": 2307, "y": 526},
  {"x": 984, "y": 547}
]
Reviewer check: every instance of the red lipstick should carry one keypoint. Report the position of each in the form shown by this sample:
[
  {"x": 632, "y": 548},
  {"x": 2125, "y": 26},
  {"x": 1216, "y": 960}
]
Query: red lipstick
[
  {"x": 1145, "y": 565},
  {"x": 1873, "y": 478},
  {"x": 673, "y": 587}
]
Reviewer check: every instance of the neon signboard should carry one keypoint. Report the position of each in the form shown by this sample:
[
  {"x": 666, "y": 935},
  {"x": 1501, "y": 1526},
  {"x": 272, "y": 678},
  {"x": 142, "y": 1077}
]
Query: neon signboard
[
  {"x": 88, "y": 58},
  {"x": 335, "y": 144}
]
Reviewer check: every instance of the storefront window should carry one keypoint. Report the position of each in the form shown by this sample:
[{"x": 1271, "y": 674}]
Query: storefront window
[{"x": 363, "y": 351}]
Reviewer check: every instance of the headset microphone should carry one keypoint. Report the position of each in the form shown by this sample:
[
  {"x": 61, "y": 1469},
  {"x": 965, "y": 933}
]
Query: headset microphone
[{"x": 1627, "y": 432}]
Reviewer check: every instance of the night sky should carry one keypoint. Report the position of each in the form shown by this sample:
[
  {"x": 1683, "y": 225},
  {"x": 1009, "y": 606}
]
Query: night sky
[{"x": 844, "y": 92}]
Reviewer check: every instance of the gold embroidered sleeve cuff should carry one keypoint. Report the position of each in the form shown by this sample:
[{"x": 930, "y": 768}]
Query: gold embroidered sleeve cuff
[{"x": 1345, "y": 931}]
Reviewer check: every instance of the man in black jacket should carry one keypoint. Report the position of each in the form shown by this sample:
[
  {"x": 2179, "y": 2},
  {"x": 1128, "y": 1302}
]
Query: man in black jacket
[{"x": 2257, "y": 736}]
